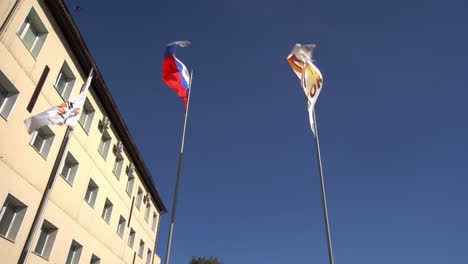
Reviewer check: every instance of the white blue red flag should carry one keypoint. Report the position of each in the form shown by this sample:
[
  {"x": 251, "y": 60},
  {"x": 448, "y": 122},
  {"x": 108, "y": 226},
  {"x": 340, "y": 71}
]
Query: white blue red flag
[{"x": 174, "y": 72}]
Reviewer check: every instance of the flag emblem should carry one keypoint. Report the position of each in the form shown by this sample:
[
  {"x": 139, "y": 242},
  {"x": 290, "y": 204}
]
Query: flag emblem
[
  {"x": 300, "y": 59},
  {"x": 66, "y": 113}
]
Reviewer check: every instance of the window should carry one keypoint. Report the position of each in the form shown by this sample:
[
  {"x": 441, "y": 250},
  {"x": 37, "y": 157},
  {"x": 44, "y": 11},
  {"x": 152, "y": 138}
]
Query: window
[
  {"x": 42, "y": 140},
  {"x": 33, "y": 33},
  {"x": 87, "y": 115},
  {"x": 139, "y": 198},
  {"x": 121, "y": 226},
  {"x": 65, "y": 81},
  {"x": 46, "y": 239},
  {"x": 107, "y": 211},
  {"x": 8, "y": 96},
  {"x": 69, "y": 168},
  {"x": 105, "y": 144},
  {"x": 131, "y": 238},
  {"x": 147, "y": 212},
  {"x": 155, "y": 217},
  {"x": 141, "y": 249},
  {"x": 148, "y": 256},
  {"x": 75, "y": 253},
  {"x": 91, "y": 193},
  {"x": 95, "y": 260},
  {"x": 130, "y": 182},
  {"x": 11, "y": 217},
  {"x": 118, "y": 165}
]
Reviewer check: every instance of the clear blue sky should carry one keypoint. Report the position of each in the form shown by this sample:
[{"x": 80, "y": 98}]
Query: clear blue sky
[{"x": 392, "y": 120}]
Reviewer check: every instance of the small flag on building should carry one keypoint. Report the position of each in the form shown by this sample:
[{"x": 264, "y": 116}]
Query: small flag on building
[
  {"x": 301, "y": 62},
  {"x": 174, "y": 72},
  {"x": 66, "y": 113}
]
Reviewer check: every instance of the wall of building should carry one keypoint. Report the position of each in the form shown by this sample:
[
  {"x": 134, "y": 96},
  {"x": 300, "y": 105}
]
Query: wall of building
[
  {"x": 5, "y": 7},
  {"x": 25, "y": 172}
]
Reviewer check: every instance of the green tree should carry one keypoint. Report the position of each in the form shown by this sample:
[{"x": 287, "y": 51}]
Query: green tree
[{"x": 204, "y": 260}]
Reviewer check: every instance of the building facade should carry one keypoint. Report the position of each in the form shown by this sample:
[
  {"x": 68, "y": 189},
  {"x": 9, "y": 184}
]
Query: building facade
[{"x": 102, "y": 205}]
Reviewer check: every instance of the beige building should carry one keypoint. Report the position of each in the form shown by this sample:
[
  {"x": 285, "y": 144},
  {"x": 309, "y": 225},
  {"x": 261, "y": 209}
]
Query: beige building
[{"x": 103, "y": 206}]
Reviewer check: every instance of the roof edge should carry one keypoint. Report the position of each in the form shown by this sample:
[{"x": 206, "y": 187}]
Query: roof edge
[{"x": 74, "y": 38}]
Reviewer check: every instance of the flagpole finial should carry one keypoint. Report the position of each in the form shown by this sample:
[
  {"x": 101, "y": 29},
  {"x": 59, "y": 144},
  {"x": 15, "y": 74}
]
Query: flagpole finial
[{"x": 180, "y": 43}]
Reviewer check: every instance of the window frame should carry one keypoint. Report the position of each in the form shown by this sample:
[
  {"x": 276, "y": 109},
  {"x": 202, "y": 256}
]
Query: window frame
[
  {"x": 103, "y": 145},
  {"x": 11, "y": 217},
  {"x": 47, "y": 131},
  {"x": 139, "y": 198},
  {"x": 8, "y": 103},
  {"x": 74, "y": 256},
  {"x": 72, "y": 171},
  {"x": 130, "y": 184},
  {"x": 153, "y": 223},
  {"x": 121, "y": 226},
  {"x": 93, "y": 190},
  {"x": 95, "y": 259},
  {"x": 48, "y": 244},
  {"x": 149, "y": 255},
  {"x": 118, "y": 165},
  {"x": 131, "y": 238},
  {"x": 147, "y": 211},
  {"x": 107, "y": 216},
  {"x": 141, "y": 248},
  {"x": 41, "y": 34},
  {"x": 70, "y": 80},
  {"x": 88, "y": 110}
]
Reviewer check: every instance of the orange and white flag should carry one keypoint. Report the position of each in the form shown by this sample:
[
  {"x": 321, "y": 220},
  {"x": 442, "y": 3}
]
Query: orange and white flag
[
  {"x": 300, "y": 59},
  {"x": 66, "y": 113}
]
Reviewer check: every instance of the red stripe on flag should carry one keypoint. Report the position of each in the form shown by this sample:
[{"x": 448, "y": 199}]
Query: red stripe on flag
[{"x": 170, "y": 76}]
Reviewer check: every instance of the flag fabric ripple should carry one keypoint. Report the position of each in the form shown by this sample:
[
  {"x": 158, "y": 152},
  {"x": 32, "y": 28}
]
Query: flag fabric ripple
[
  {"x": 66, "y": 113},
  {"x": 300, "y": 59},
  {"x": 174, "y": 72}
]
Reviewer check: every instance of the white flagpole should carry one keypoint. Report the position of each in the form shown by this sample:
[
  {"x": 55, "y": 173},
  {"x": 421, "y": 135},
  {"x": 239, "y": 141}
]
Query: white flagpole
[
  {"x": 176, "y": 187},
  {"x": 322, "y": 188}
]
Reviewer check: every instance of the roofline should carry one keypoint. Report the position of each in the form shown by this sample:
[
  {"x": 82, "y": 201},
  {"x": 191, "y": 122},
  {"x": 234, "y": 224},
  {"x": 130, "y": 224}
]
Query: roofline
[{"x": 73, "y": 36}]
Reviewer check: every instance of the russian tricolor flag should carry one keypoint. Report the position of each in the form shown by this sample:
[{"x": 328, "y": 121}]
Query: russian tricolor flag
[{"x": 174, "y": 72}]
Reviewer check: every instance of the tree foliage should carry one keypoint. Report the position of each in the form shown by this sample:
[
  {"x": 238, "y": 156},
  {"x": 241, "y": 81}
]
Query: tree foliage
[{"x": 204, "y": 260}]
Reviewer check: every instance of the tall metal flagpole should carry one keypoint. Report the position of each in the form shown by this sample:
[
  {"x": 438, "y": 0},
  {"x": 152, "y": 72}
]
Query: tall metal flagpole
[
  {"x": 322, "y": 188},
  {"x": 176, "y": 187}
]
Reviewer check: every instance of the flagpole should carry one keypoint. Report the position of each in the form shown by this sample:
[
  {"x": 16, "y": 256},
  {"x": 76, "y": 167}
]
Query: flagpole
[
  {"x": 47, "y": 191},
  {"x": 322, "y": 188},
  {"x": 179, "y": 164}
]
